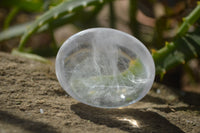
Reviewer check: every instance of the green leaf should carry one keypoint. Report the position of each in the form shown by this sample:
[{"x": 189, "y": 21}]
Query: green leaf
[
  {"x": 62, "y": 9},
  {"x": 27, "y": 5},
  {"x": 29, "y": 56},
  {"x": 18, "y": 30}
]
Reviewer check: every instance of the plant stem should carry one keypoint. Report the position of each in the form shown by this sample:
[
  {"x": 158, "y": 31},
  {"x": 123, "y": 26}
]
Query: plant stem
[
  {"x": 183, "y": 48},
  {"x": 189, "y": 20},
  {"x": 54, "y": 44},
  {"x": 112, "y": 15},
  {"x": 10, "y": 16},
  {"x": 132, "y": 15}
]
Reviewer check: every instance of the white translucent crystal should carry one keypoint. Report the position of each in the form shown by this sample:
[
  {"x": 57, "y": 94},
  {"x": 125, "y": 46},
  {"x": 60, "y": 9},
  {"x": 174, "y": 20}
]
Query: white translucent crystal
[{"x": 93, "y": 66}]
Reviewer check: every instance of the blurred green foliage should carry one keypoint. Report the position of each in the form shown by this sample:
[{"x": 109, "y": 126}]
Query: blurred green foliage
[{"x": 166, "y": 15}]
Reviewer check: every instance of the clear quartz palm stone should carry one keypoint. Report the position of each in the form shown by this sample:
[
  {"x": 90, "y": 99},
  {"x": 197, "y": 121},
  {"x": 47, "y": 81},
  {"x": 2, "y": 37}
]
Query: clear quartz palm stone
[{"x": 105, "y": 68}]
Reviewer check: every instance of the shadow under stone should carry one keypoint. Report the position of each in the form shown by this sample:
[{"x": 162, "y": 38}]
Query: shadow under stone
[
  {"x": 130, "y": 120},
  {"x": 151, "y": 99},
  {"x": 191, "y": 98},
  {"x": 31, "y": 126},
  {"x": 174, "y": 109}
]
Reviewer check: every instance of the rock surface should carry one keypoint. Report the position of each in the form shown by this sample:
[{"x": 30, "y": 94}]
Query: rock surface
[{"x": 32, "y": 101}]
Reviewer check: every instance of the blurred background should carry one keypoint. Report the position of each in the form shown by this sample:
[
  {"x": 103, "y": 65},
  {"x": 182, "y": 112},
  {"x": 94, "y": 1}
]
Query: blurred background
[{"x": 151, "y": 21}]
